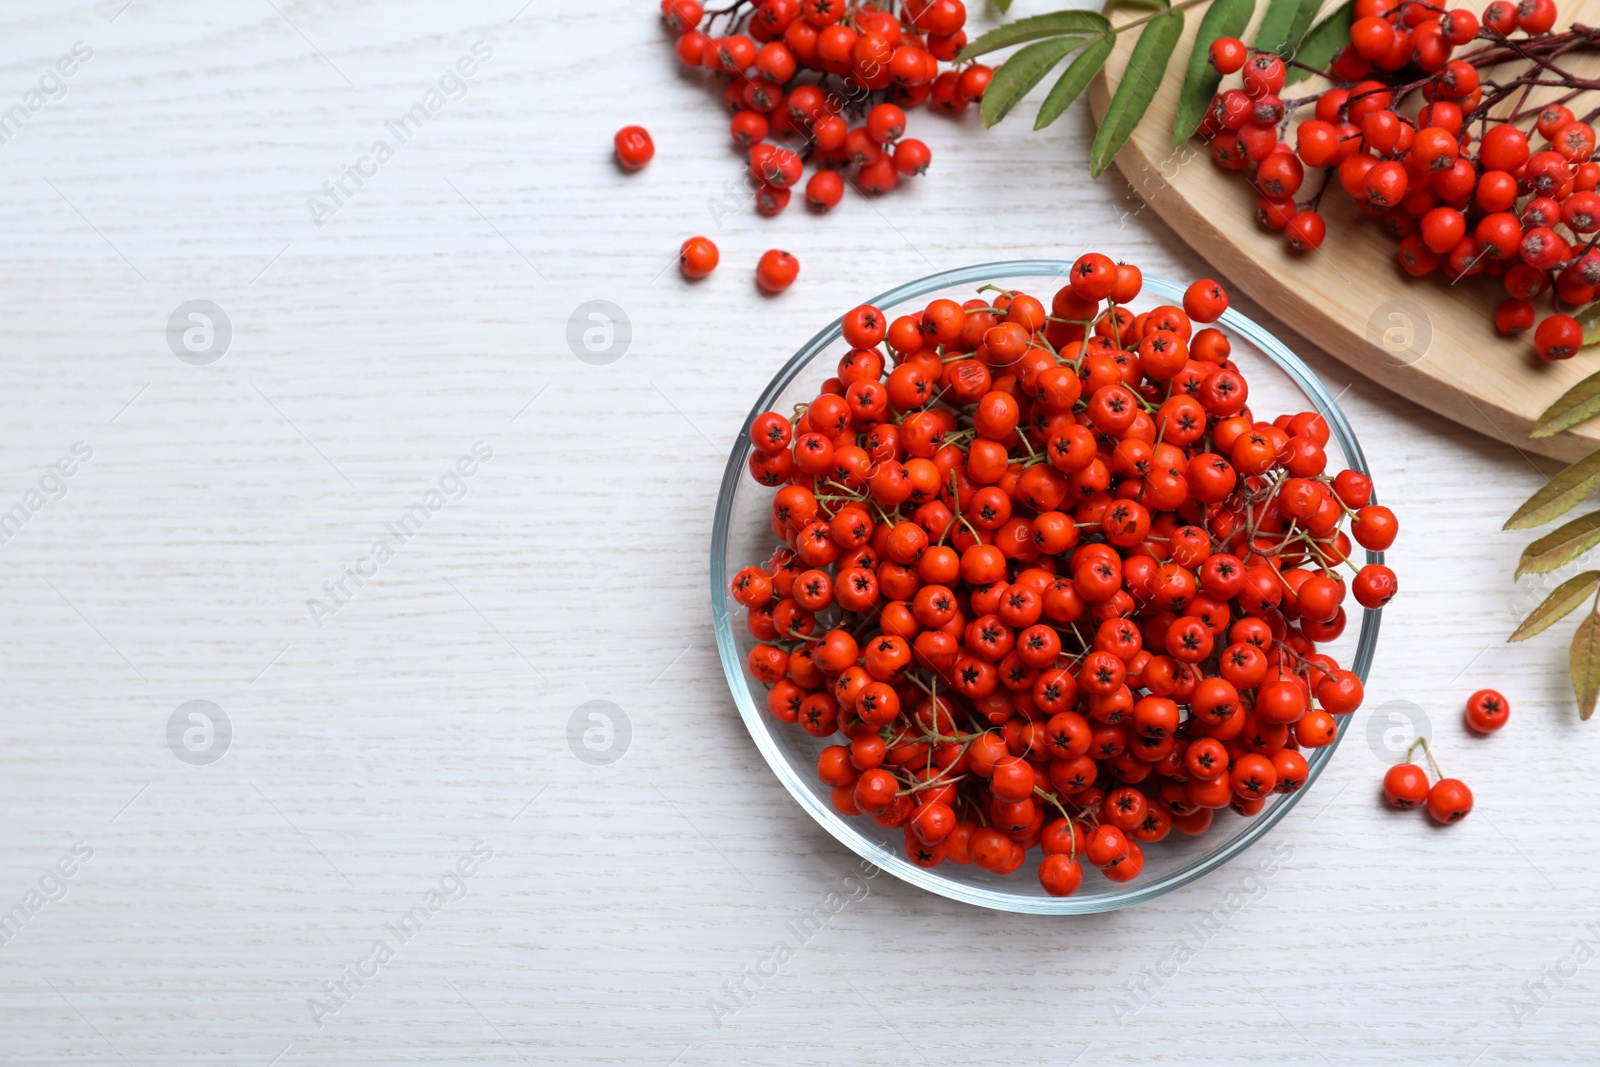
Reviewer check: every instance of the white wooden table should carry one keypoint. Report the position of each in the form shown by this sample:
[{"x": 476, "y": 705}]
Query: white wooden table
[{"x": 374, "y": 743}]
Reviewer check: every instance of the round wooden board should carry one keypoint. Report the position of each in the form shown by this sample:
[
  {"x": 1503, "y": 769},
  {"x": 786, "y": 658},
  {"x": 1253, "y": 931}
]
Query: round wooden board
[{"x": 1425, "y": 339}]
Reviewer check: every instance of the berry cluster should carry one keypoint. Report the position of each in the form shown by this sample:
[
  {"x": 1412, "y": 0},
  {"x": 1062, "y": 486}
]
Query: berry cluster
[
  {"x": 1448, "y": 800},
  {"x": 1406, "y": 132},
  {"x": 798, "y": 74},
  {"x": 1052, "y": 580}
]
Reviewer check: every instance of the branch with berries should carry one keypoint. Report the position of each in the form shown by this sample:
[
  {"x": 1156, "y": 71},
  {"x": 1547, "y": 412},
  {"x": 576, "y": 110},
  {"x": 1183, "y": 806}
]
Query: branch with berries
[{"x": 1428, "y": 123}]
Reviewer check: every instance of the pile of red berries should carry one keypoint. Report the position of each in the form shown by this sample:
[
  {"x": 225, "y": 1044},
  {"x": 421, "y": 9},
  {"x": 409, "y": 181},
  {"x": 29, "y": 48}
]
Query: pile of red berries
[
  {"x": 779, "y": 69},
  {"x": 1406, "y": 132},
  {"x": 1051, "y": 579}
]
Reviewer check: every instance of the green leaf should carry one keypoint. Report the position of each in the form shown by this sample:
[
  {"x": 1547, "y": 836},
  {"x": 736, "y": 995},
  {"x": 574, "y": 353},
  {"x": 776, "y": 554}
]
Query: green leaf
[
  {"x": 1318, "y": 47},
  {"x": 1003, "y": 5},
  {"x": 1013, "y": 78},
  {"x": 1146, "y": 67},
  {"x": 1156, "y": 4},
  {"x": 1284, "y": 24},
  {"x": 1559, "y": 496},
  {"x": 1072, "y": 83},
  {"x": 1558, "y": 605},
  {"x": 1035, "y": 28},
  {"x": 1561, "y": 546},
  {"x": 1584, "y": 662},
  {"x": 1224, "y": 18},
  {"x": 1574, "y": 406}
]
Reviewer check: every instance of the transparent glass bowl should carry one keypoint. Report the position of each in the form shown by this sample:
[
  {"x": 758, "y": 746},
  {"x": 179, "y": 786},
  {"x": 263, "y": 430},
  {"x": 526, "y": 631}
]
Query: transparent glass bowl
[{"x": 1279, "y": 383}]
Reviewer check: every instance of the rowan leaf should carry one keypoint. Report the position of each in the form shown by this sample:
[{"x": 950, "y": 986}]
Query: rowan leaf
[
  {"x": 1016, "y": 76},
  {"x": 1284, "y": 24},
  {"x": 1577, "y": 404},
  {"x": 1323, "y": 42},
  {"x": 1037, "y": 27},
  {"x": 1563, "y": 493},
  {"x": 1224, "y": 18},
  {"x": 1561, "y": 546},
  {"x": 1071, "y": 83},
  {"x": 1589, "y": 318},
  {"x": 1146, "y": 68},
  {"x": 1584, "y": 663},
  {"x": 1003, "y": 5},
  {"x": 1558, "y": 605}
]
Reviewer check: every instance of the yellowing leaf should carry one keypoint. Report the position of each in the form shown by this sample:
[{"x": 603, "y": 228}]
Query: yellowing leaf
[
  {"x": 1584, "y": 663},
  {"x": 1558, "y": 605},
  {"x": 1559, "y": 496},
  {"x": 1575, "y": 405},
  {"x": 1560, "y": 546},
  {"x": 1589, "y": 318}
]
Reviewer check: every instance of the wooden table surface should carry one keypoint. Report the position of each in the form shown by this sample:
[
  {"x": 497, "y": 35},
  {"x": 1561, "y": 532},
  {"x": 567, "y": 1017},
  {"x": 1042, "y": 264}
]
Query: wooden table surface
[{"x": 398, "y": 808}]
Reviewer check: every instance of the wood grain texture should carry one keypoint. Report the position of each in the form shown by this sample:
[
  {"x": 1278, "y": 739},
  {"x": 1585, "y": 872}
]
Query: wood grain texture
[
  {"x": 432, "y": 710},
  {"x": 1427, "y": 339}
]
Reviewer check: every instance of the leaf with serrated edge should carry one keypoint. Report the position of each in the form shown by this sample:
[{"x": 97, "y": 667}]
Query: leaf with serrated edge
[
  {"x": 1016, "y": 76},
  {"x": 1575, "y": 405},
  {"x": 1561, "y": 546},
  {"x": 1078, "y": 74},
  {"x": 1147, "y": 66},
  {"x": 1036, "y": 27},
  {"x": 1318, "y": 47},
  {"x": 1558, "y": 605},
  {"x": 1224, "y": 18},
  {"x": 1584, "y": 663},
  {"x": 1559, "y": 496},
  {"x": 1284, "y": 24}
]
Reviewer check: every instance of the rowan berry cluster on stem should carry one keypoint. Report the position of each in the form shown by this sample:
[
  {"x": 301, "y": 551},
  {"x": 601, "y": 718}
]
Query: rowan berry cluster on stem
[
  {"x": 1425, "y": 131},
  {"x": 828, "y": 81},
  {"x": 1052, "y": 580}
]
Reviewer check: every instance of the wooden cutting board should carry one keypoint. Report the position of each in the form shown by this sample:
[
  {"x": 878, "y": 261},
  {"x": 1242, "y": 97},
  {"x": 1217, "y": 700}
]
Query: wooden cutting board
[{"x": 1426, "y": 339}]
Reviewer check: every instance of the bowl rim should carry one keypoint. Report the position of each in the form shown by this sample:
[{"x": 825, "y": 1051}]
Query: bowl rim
[{"x": 842, "y": 828}]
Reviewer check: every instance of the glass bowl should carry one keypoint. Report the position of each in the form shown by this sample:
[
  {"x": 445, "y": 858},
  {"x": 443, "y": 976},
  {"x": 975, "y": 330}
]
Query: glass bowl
[{"x": 1279, "y": 383}]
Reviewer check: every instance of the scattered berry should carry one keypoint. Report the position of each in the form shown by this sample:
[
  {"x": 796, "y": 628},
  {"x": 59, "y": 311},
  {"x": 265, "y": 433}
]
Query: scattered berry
[
  {"x": 634, "y": 147},
  {"x": 1487, "y": 711},
  {"x": 698, "y": 257},
  {"x": 776, "y": 271}
]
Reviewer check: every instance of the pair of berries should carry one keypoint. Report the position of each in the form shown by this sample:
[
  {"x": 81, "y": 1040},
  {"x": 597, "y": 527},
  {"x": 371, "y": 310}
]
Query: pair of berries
[
  {"x": 1055, "y": 584},
  {"x": 775, "y": 271},
  {"x": 1405, "y": 786},
  {"x": 1407, "y": 133}
]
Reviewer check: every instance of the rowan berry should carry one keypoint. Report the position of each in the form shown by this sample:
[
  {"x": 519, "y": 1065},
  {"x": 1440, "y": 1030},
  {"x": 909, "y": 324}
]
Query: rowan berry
[
  {"x": 1449, "y": 801},
  {"x": 1228, "y": 55},
  {"x": 776, "y": 271},
  {"x": 633, "y": 147},
  {"x": 1487, "y": 711},
  {"x": 697, "y": 258}
]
